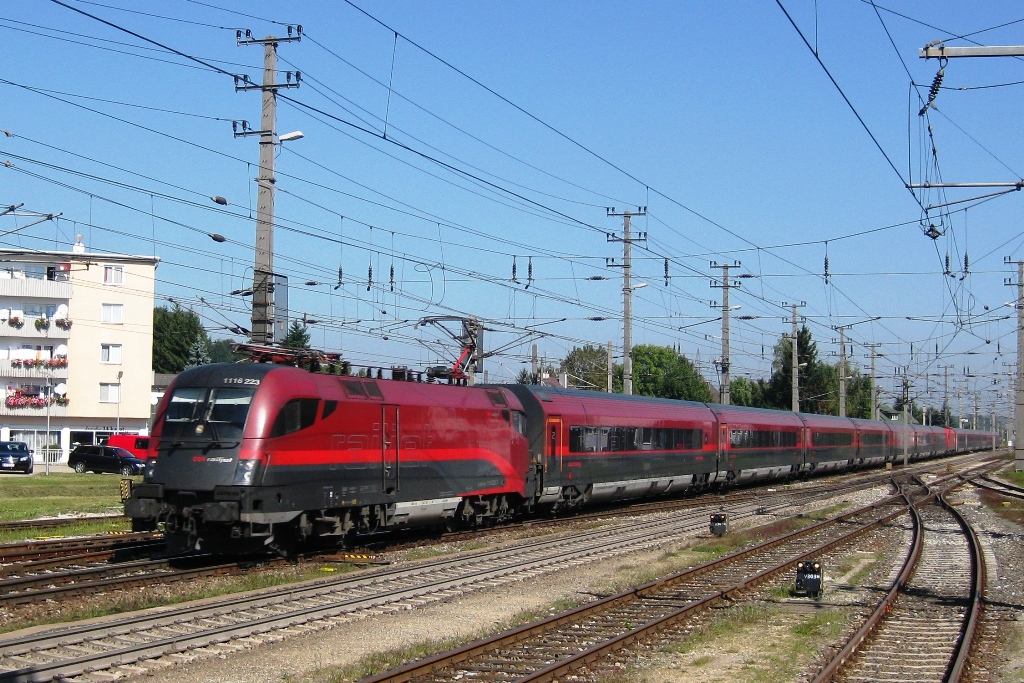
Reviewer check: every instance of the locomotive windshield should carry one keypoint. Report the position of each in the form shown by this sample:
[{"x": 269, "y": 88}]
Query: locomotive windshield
[{"x": 192, "y": 409}]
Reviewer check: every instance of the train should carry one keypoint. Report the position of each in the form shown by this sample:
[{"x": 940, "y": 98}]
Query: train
[{"x": 261, "y": 457}]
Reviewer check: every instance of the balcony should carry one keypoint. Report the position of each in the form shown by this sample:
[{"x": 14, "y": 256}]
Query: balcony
[
  {"x": 26, "y": 412},
  {"x": 11, "y": 370},
  {"x": 27, "y": 329},
  {"x": 32, "y": 287}
]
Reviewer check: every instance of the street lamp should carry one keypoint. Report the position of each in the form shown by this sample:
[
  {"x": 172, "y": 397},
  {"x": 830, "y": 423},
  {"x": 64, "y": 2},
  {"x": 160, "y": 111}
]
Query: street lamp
[
  {"x": 117, "y": 426},
  {"x": 46, "y": 440}
]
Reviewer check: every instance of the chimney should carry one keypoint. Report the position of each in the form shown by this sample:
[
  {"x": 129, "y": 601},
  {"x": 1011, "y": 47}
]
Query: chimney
[{"x": 79, "y": 247}]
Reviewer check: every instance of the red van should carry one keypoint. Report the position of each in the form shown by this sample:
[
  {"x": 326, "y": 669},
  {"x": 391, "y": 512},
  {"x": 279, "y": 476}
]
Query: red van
[{"x": 133, "y": 443}]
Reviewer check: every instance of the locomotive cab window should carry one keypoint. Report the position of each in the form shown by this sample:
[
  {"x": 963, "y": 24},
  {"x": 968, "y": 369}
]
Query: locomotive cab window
[
  {"x": 183, "y": 405},
  {"x": 225, "y": 409},
  {"x": 519, "y": 422},
  {"x": 295, "y": 415}
]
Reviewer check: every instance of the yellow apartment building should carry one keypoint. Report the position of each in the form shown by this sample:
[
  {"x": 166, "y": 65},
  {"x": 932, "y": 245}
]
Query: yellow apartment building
[{"x": 76, "y": 346}]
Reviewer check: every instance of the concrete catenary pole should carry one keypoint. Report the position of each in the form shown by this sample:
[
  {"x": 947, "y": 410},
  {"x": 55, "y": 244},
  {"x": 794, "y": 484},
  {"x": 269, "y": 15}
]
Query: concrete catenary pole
[
  {"x": 611, "y": 366},
  {"x": 262, "y": 296},
  {"x": 842, "y": 371},
  {"x": 1018, "y": 411},
  {"x": 874, "y": 389},
  {"x": 796, "y": 366},
  {"x": 906, "y": 418},
  {"x": 262, "y": 331},
  {"x": 725, "y": 363},
  {"x": 627, "y": 292}
]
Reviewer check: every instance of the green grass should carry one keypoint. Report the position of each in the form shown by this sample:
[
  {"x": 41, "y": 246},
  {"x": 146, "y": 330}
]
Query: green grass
[
  {"x": 59, "y": 493},
  {"x": 1013, "y": 476},
  {"x": 725, "y": 623},
  {"x": 71, "y": 528}
]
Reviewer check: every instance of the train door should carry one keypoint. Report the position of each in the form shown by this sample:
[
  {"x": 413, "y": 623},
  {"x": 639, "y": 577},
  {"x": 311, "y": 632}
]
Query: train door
[
  {"x": 723, "y": 444},
  {"x": 553, "y": 435},
  {"x": 389, "y": 448}
]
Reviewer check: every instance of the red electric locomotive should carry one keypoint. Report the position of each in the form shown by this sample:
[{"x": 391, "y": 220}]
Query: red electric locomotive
[{"x": 245, "y": 455}]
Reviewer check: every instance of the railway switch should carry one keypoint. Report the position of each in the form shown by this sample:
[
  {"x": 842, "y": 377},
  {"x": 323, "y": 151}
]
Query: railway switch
[
  {"x": 809, "y": 578},
  {"x": 719, "y": 524}
]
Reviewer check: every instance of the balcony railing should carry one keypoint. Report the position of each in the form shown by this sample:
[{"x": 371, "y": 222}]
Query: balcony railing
[
  {"x": 27, "y": 329},
  {"x": 33, "y": 287},
  {"x": 14, "y": 369},
  {"x": 40, "y": 412}
]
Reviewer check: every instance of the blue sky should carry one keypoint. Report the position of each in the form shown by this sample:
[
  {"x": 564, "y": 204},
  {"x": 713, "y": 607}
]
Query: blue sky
[{"x": 714, "y": 115}]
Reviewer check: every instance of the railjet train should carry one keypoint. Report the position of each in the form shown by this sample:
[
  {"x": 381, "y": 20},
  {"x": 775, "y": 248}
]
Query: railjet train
[{"x": 252, "y": 456}]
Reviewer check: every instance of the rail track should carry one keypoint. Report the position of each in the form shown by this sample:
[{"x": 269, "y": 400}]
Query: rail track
[
  {"x": 91, "y": 567},
  {"x": 581, "y": 638},
  {"x": 1000, "y": 487},
  {"x": 924, "y": 627},
  {"x": 229, "y": 623},
  {"x": 74, "y": 546},
  {"x": 82, "y": 573}
]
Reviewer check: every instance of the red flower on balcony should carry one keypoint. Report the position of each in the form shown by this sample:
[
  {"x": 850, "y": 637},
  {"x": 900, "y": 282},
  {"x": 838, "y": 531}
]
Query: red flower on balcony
[
  {"x": 15, "y": 321},
  {"x": 63, "y": 323}
]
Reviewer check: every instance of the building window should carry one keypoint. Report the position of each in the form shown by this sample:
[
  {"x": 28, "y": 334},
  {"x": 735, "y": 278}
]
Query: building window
[
  {"x": 110, "y": 393},
  {"x": 113, "y": 275},
  {"x": 110, "y": 353},
  {"x": 113, "y": 313}
]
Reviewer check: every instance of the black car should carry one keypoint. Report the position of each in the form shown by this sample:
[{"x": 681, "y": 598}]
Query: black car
[
  {"x": 15, "y": 457},
  {"x": 105, "y": 459}
]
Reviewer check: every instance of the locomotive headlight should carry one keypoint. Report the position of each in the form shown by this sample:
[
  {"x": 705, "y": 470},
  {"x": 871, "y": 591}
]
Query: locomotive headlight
[
  {"x": 245, "y": 472},
  {"x": 147, "y": 474}
]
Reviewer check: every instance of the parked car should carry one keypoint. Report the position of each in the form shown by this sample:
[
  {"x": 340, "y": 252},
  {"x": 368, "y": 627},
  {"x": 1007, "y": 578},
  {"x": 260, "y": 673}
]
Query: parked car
[
  {"x": 105, "y": 459},
  {"x": 15, "y": 457},
  {"x": 133, "y": 443}
]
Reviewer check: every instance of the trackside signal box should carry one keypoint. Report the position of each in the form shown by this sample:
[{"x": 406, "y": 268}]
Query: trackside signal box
[
  {"x": 809, "y": 578},
  {"x": 719, "y": 524}
]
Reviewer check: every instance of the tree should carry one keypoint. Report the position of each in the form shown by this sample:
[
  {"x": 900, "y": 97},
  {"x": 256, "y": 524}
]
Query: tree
[
  {"x": 587, "y": 367},
  {"x": 198, "y": 354},
  {"x": 819, "y": 382},
  {"x": 524, "y": 377},
  {"x": 660, "y": 371},
  {"x": 175, "y": 330},
  {"x": 745, "y": 392},
  {"x": 220, "y": 352},
  {"x": 297, "y": 337}
]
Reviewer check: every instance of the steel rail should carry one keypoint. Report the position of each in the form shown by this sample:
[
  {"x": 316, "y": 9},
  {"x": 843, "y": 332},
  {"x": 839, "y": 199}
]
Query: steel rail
[
  {"x": 979, "y": 571},
  {"x": 14, "y": 552},
  {"x": 450, "y": 659},
  {"x": 971, "y": 619},
  {"x": 1000, "y": 487},
  {"x": 885, "y": 604}
]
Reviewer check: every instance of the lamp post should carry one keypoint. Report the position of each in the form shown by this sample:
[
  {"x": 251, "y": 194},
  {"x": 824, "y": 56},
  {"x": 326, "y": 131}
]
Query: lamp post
[
  {"x": 117, "y": 426},
  {"x": 46, "y": 439}
]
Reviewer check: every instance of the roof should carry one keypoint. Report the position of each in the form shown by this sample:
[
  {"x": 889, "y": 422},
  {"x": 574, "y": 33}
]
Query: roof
[
  {"x": 41, "y": 255},
  {"x": 162, "y": 380}
]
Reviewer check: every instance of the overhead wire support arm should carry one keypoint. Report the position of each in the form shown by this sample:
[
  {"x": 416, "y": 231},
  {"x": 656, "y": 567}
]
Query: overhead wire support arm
[{"x": 940, "y": 51}]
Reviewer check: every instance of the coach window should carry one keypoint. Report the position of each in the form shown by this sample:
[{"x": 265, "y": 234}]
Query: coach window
[{"x": 296, "y": 414}]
